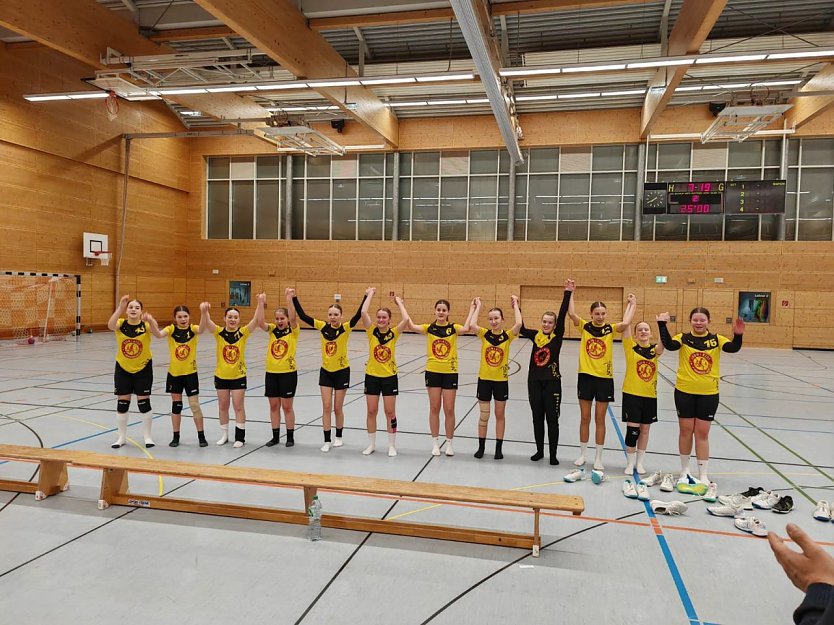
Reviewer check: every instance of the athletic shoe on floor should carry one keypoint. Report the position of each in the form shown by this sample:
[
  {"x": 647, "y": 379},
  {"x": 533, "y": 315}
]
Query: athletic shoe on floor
[
  {"x": 751, "y": 525},
  {"x": 765, "y": 501},
  {"x": 575, "y": 475},
  {"x": 653, "y": 480},
  {"x": 672, "y": 508},
  {"x": 629, "y": 489},
  {"x": 597, "y": 476},
  {"x": 642, "y": 492},
  {"x": 667, "y": 484},
  {"x": 738, "y": 500},
  {"x": 725, "y": 510},
  {"x": 751, "y": 492},
  {"x": 688, "y": 485},
  {"x": 784, "y": 505},
  {"x": 823, "y": 511},
  {"x": 326, "y": 447},
  {"x": 712, "y": 492}
]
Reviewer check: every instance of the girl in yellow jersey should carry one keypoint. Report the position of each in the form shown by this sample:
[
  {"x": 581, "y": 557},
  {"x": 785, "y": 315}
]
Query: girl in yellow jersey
[
  {"x": 281, "y": 377},
  {"x": 441, "y": 371},
  {"x": 334, "y": 375},
  {"x": 493, "y": 375},
  {"x": 230, "y": 372},
  {"x": 596, "y": 372},
  {"x": 381, "y": 370},
  {"x": 639, "y": 392},
  {"x": 696, "y": 387},
  {"x": 134, "y": 366},
  {"x": 182, "y": 371}
]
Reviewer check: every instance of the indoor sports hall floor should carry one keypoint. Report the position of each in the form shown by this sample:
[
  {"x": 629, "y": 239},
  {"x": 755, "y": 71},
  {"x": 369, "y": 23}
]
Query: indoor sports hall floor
[{"x": 64, "y": 561}]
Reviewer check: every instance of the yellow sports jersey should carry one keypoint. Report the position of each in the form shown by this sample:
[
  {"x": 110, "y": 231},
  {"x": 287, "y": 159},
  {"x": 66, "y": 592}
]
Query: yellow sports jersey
[
  {"x": 334, "y": 342},
  {"x": 230, "y": 347},
  {"x": 595, "y": 349},
  {"x": 280, "y": 351},
  {"x": 134, "y": 341},
  {"x": 182, "y": 348},
  {"x": 641, "y": 369},
  {"x": 442, "y": 344},
  {"x": 382, "y": 360},
  {"x": 699, "y": 362},
  {"x": 495, "y": 355}
]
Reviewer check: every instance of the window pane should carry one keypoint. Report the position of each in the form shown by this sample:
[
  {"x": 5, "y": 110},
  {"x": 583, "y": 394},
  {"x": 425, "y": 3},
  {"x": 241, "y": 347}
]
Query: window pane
[
  {"x": 389, "y": 164},
  {"x": 424, "y": 209},
  {"x": 670, "y": 228},
  {"x": 242, "y": 168},
  {"x": 483, "y": 195},
  {"x": 405, "y": 163},
  {"x": 770, "y": 227},
  {"x": 647, "y": 228},
  {"x": 218, "y": 210},
  {"x": 815, "y": 203},
  {"x": 405, "y": 209},
  {"x": 371, "y": 164},
  {"x": 791, "y": 198},
  {"x": 607, "y": 158},
  {"x": 674, "y": 155},
  {"x": 521, "y": 167},
  {"x": 544, "y": 160},
  {"x": 744, "y": 174},
  {"x": 818, "y": 152},
  {"x": 673, "y": 176},
  {"x": 389, "y": 208},
  {"x": 705, "y": 227},
  {"x": 343, "y": 166},
  {"x": 218, "y": 167},
  {"x": 483, "y": 162},
  {"x": 504, "y": 162},
  {"x": 629, "y": 206},
  {"x": 426, "y": 163},
  {"x": 370, "y": 208},
  {"x": 742, "y": 228},
  {"x": 454, "y": 163},
  {"x": 606, "y": 190},
  {"x": 793, "y": 151},
  {"x": 318, "y": 209},
  {"x": 503, "y": 207},
  {"x": 745, "y": 154},
  {"x": 651, "y": 157},
  {"x": 269, "y": 166},
  {"x": 541, "y": 224},
  {"x": 574, "y": 197},
  {"x": 268, "y": 195},
  {"x": 243, "y": 206},
  {"x": 709, "y": 175},
  {"x": 631, "y": 157},
  {"x": 773, "y": 153},
  {"x": 520, "y": 226},
  {"x": 318, "y": 167},
  {"x": 297, "y": 209},
  {"x": 771, "y": 173},
  {"x": 344, "y": 210},
  {"x": 298, "y": 163},
  {"x": 453, "y": 209}
]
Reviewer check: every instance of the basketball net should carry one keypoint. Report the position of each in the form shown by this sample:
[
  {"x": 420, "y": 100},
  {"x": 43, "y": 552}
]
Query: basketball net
[{"x": 111, "y": 105}]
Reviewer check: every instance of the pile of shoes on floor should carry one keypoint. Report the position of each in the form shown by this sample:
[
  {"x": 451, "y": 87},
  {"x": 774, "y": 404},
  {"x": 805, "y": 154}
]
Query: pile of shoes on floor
[{"x": 735, "y": 506}]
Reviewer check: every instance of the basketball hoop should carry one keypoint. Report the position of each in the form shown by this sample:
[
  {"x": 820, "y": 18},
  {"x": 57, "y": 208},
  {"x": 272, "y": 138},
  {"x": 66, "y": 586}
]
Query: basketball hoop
[
  {"x": 111, "y": 105},
  {"x": 103, "y": 257}
]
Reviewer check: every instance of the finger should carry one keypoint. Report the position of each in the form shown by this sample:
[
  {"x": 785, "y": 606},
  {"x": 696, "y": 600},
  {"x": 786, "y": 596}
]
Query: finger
[{"x": 805, "y": 542}]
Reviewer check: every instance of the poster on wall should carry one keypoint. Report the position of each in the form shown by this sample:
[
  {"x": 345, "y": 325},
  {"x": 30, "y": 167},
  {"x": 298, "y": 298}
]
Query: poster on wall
[
  {"x": 754, "y": 306},
  {"x": 239, "y": 293}
]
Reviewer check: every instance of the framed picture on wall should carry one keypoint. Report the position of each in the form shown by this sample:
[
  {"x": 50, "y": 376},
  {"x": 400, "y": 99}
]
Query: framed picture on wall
[
  {"x": 754, "y": 306},
  {"x": 240, "y": 293}
]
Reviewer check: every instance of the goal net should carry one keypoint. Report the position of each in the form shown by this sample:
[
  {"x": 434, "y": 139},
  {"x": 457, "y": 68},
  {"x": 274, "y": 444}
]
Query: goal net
[{"x": 46, "y": 307}]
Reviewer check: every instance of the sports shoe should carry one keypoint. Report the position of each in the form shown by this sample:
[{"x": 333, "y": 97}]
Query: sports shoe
[
  {"x": 653, "y": 480},
  {"x": 642, "y": 492},
  {"x": 597, "y": 477},
  {"x": 667, "y": 484},
  {"x": 765, "y": 501},
  {"x": 751, "y": 525},
  {"x": 823, "y": 511},
  {"x": 629, "y": 490},
  {"x": 784, "y": 505},
  {"x": 326, "y": 447},
  {"x": 338, "y": 442},
  {"x": 435, "y": 449},
  {"x": 739, "y": 500},
  {"x": 575, "y": 476},
  {"x": 450, "y": 451},
  {"x": 672, "y": 508},
  {"x": 751, "y": 492},
  {"x": 688, "y": 485},
  {"x": 725, "y": 510},
  {"x": 712, "y": 493}
]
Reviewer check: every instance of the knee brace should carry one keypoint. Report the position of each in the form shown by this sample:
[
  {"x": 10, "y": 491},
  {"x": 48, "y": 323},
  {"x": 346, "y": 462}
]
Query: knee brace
[
  {"x": 393, "y": 424},
  {"x": 483, "y": 418},
  {"x": 632, "y": 434},
  {"x": 176, "y": 407},
  {"x": 144, "y": 405},
  {"x": 122, "y": 406},
  {"x": 194, "y": 404}
]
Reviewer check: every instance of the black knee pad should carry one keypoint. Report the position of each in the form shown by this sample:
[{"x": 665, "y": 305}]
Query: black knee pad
[
  {"x": 122, "y": 406},
  {"x": 144, "y": 405},
  {"x": 394, "y": 424},
  {"x": 176, "y": 407},
  {"x": 632, "y": 434}
]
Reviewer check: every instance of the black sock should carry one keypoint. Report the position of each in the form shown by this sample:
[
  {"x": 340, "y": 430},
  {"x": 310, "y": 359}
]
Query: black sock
[
  {"x": 553, "y": 460},
  {"x": 538, "y": 455},
  {"x": 201, "y": 436},
  {"x": 175, "y": 440},
  {"x": 326, "y": 436},
  {"x": 276, "y": 434},
  {"x": 339, "y": 432},
  {"x": 240, "y": 435},
  {"x": 290, "y": 437},
  {"x": 499, "y": 443},
  {"x": 481, "y": 448}
]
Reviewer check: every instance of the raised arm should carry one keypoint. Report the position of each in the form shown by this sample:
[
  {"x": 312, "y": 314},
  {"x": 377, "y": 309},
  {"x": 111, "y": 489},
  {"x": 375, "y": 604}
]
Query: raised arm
[
  {"x": 572, "y": 307},
  {"x": 471, "y": 324},
  {"x": 300, "y": 311},
  {"x": 366, "y": 304},
  {"x": 517, "y": 310},
  {"x": 154, "y": 326},
  {"x": 406, "y": 319},
  {"x": 289, "y": 294},
  {"x": 358, "y": 314},
  {"x": 665, "y": 337},
  {"x": 559, "y": 328},
  {"x": 738, "y": 331},
  {"x": 628, "y": 316},
  {"x": 258, "y": 319},
  {"x": 112, "y": 323},
  {"x": 206, "y": 324}
]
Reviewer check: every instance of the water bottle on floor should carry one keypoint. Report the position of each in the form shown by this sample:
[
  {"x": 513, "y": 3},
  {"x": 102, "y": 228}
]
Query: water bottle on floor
[{"x": 314, "y": 519}]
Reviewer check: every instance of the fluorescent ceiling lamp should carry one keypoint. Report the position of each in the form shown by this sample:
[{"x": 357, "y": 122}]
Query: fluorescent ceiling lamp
[
  {"x": 535, "y": 98},
  {"x": 191, "y": 113},
  {"x": 661, "y": 63},
  {"x": 730, "y": 59},
  {"x": 334, "y": 83},
  {"x": 388, "y": 81},
  {"x": 177, "y": 91},
  {"x": 776, "y": 83},
  {"x": 799, "y": 55},
  {"x": 734, "y": 85},
  {"x": 442, "y": 77},
  {"x": 92, "y": 95},
  {"x": 477, "y": 101},
  {"x": 380, "y": 146},
  {"x": 286, "y": 85},
  {"x": 530, "y": 72},
  {"x": 230, "y": 88},
  {"x": 446, "y": 102},
  {"x": 417, "y": 103},
  {"x": 570, "y": 96},
  {"x": 623, "y": 92},
  {"x": 45, "y": 98},
  {"x": 692, "y": 88},
  {"x": 593, "y": 68}
]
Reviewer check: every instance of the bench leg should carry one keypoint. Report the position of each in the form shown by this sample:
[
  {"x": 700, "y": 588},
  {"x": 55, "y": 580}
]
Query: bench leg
[
  {"x": 113, "y": 482},
  {"x": 537, "y": 539},
  {"x": 309, "y": 493},
  {"x": 52, "y": 479}
]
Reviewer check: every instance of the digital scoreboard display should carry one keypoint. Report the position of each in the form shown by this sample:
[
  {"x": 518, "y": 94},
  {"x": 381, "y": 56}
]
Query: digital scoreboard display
[
  {"x": 738, "y": 197},
  {"x": 695, "y": 198},
  {"x": 755, "y": 197}
]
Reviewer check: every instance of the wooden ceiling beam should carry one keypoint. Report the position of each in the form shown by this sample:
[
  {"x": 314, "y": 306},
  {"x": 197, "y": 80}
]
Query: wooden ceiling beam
[{"x": 807, "y": 107}]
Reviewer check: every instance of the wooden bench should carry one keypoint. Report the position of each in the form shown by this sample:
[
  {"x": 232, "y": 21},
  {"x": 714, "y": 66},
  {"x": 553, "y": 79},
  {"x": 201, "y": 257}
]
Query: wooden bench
[{"x": 115, "y": 491}]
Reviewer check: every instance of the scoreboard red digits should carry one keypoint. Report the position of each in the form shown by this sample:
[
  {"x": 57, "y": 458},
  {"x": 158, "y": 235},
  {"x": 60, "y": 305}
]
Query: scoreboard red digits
[{"x": 695, "y": 198}]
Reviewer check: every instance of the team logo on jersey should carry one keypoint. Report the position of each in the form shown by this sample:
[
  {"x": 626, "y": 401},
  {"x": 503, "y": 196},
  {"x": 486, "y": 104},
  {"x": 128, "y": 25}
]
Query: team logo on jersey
[
  {"x": 382, "y": 354},
  {"x": 181, "y": 352},
  {"x": 279, "y": 349},
  {"x": 645, "y": 370},
  {"x": 131, "y": 348},
  {"x": 700, "y": 363},
  {"x": 541, "y": 356},
  {"x": 231, "y": 353},
  {"x": 595, "y": 348},
  {"x": 493, "y": 355},
  {"x": 441, "y": 348},
  {"x": 330, "y": 348}
]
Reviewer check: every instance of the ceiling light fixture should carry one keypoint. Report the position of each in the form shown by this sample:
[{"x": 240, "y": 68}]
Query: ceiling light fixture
[
  {"x": 659, "y": 63},
  {"x": 388, "y": 81},
  {"x": 333, "y": 83},
  {"x": 592, "y": 68},
  {"x": 230, "y": 89},
  {"x": 799, "y": 54},
  {"x": 730, "y": 59},
  {"x": 445, "y": 77}
]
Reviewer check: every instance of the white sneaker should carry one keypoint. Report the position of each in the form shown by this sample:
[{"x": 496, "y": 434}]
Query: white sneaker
[
  {"x": 712, "y": 493},
  {"x": 823, "y": 511},
  {"x": 597, "y": 477},
  {"x": 338, "y": 442},
  {"x": 667, "y": 484},
  {"x": 628, "y": 470},
  {"x": 736, "y": 501},
  {"x": 392, "y": 452},
  {"x": 672, "y": 508},
  {"x": 224, "y": 438},
  {"x": 751, "y": 525},
  {"x": 654, "y": 479},
  {"x": 629, "y": 489},
  {"x": 725, "y": 510},
  {"x": 641, "y": 470},
  {"x": 450, "y": 451},
  {"x": 642, "y": 492},
  {"x": 435, "y": 449},
  {"x": 237, "y": 444},
  {"x": 765, "y": 501},
  {"x": 575, "y": 476},
  {"x": 580, "y": 461},
  {"x": 368, "y": 450},
  {"x": 326, "y": 447}
]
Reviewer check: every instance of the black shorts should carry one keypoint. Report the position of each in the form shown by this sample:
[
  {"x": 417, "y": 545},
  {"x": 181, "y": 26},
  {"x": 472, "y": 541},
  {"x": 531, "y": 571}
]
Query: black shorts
[
  {"x": 222, "y": 384},
  {"x": 637, "y": 409},
  {"x": 375, "y": 385},
  {"x": 138, "y": 383},
  {"x": 492, "y": 389},
  {"x": 338, "y": 380},
  {"x": 280, "y": 384},
  {"x": 176, "y": 384},
  {"x": 701, "y": 407},
  {"x": 442, "y": 380},
  {"x": 590, "y": 387}
]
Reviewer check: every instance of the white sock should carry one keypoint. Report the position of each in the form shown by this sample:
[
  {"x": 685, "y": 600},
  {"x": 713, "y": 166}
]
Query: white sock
[
  {"x": 703, "y": 469},
  {"x": 641, "y": 454},
  {"x": 392, "y": 444},
  {"x": 435, "y": 446},
  {"x": 583, "y": 447},
  {"x": 371, "y": 444},
  {"x": 147, "y": 421},
  {"x": 224, "y": 434},
  {"x": 630, "y": 463},
  {"x": 598, "y": 458},
  {"x": 121, "y": 425},
  {"x": 239, "y": 426},
  {"x": 450, "y": 451},
  {"x": 684, "y": 465}
]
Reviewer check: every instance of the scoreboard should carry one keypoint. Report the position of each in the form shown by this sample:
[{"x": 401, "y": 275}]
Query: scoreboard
[{"x": 751, "y": 197}]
